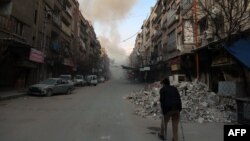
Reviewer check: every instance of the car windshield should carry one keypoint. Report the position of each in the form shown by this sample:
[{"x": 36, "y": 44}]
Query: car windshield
[{"x": 48, "y": 81}]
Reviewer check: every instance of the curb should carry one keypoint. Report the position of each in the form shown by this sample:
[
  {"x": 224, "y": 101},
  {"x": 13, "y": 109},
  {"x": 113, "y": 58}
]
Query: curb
[{"x": 12, "y": 96}]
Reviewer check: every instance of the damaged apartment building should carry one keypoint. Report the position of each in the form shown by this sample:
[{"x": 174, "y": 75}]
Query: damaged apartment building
[
  {"x": 188, "y": 39},
  {"x": 45, "y": 38},
  {"x": 196, "y": 39}
]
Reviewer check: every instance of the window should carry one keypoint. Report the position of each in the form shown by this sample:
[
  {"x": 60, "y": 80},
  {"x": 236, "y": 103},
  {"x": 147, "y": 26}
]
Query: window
[
  {"x": 18, "y": 28},
  {"x": 203, "y": 24},
  {"x": 172, "y": 41}
]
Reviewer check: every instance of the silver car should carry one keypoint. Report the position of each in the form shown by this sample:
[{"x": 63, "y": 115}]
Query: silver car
[{"x": 51, "y": 86}]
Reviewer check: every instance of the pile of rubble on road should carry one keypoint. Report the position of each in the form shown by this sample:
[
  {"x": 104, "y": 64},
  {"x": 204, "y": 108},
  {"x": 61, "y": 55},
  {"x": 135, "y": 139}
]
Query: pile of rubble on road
[{"x": 199, "y": 104}]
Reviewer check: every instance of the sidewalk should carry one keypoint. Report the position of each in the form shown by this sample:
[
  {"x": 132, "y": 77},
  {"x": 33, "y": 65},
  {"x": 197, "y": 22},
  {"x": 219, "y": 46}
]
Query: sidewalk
[{"x": 11, "y": 93}]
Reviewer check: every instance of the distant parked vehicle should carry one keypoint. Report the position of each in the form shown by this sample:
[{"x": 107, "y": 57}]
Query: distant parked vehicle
[
  {"x": 79, "y": 80},
  {"x": 101, "y": 79},
  {"x": 92, "y": 80},
  {"x": 51, "y": 86},
  {"x": 67, "y": 77}
]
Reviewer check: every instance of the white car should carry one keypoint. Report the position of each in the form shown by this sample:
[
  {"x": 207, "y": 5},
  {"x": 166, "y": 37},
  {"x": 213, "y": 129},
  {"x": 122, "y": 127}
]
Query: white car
[
  {"x": 67, "y": 77},
  {"x": 79, "y": 80},
  {"x": 101, "y": 79},
  {"x": 92, "y": 80}
]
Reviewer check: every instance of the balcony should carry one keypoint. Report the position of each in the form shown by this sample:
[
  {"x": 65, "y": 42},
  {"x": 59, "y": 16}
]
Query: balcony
[
  {"x": 66, "y": 18},
  {"x": 154, "y": 56},
  {"x": 164, "y": 22},
  {"x": 69, "y": 12},
  {"x": 171, "y": 46},
  {"x": 66, "y": 29},
  {"x": 139, "y": 41},
  {"x": 186, "y": 5},
  {"x": 57, "y": 20},
  {"x": 82, "y": 45},
  {"x": 172, "y": 17},
  {"x": 156, "y": 35},
  {"x": 157, "y": 17},
  {"x": 8, "y": 28},
  {"x": 5, "y": 23}
]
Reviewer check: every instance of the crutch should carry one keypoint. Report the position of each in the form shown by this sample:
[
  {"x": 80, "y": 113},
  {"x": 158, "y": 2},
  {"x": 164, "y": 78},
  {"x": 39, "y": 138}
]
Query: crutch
[
  {"x": 183, "y": 137},
  {"x": 164, "y": 128},
  {"x": 182, "y": 130}
]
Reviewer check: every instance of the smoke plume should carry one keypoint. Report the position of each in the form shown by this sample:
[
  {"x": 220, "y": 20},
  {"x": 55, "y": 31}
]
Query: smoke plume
[{"x": 108, "y": 14}]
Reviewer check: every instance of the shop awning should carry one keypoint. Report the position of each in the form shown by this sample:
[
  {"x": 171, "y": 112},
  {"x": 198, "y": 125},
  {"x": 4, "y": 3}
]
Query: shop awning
[{"x": 241, "y": 51}]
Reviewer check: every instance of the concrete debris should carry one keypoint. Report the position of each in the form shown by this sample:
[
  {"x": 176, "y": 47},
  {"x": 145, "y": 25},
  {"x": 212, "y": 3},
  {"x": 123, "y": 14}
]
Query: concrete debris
[{"x": 198, "y": 102}]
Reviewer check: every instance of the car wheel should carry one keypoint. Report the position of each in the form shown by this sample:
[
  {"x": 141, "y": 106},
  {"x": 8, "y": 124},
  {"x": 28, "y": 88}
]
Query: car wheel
[
  {"x": 49, "y": 93},
  {"x": 69, "y": 91}
]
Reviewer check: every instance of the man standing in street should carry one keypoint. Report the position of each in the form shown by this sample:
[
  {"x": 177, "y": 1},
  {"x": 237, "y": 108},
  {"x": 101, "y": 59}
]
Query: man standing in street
[{"x": 171, "y": 106}]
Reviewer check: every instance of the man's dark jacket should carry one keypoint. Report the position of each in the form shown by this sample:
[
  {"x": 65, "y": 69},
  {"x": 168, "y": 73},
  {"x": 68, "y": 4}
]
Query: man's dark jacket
[{"x": 170, "y": 99}]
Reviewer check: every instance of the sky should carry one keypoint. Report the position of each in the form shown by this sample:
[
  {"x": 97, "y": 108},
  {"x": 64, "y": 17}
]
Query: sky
[{"x": 115, "y": 22}]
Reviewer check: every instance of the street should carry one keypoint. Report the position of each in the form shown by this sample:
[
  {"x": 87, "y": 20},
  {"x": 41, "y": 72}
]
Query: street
[
  {"x": 123, "y": 66},
  {"x": 88, "y": 114}
]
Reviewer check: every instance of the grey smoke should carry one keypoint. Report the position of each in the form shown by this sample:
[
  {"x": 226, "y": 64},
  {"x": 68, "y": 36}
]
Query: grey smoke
[{"x": 108, "y": 14}]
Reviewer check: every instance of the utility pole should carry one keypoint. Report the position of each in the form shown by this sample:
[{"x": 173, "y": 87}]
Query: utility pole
[{"x": 196, "y": 39}]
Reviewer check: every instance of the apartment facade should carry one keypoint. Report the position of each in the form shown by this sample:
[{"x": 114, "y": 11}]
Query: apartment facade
[
  {"x": 18, "y": 63},
  {"x": 44, "y": 38},
  {"x": 179, "y": 38}
]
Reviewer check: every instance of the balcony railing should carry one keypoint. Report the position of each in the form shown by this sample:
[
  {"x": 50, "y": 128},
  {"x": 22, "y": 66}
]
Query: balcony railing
[
  {"x": 69, "y": 11},
  {"x": 83, "y": 46},
  {"x": 66, "y": 29},
  {"x": 171, "y": 46},
  {"x": 156, "y": 34},
  {"x": 186, "y": 5},
  {"x": 8, "y": 28},
  {"x": 172, "y": 17},
  {"x": 57, "y": 20}
]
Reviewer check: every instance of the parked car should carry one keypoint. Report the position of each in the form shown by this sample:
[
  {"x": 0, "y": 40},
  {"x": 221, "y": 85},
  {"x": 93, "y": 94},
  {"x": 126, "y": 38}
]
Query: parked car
[
  {"x": 101, "y": 79},
  {"x": 92, "y": 80},
  {"x": 67, "y": 77},
  {"x": 79, "y": 80},
  {"x": 51, "y": 86}
]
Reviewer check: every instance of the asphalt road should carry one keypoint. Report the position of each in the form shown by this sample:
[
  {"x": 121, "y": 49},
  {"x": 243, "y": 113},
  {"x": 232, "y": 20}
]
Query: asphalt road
[{"x": 88, "y": 114}]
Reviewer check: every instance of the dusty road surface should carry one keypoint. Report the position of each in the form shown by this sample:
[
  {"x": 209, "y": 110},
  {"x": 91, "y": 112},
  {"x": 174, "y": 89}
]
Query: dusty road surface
[{"x": 88, "y": 114}]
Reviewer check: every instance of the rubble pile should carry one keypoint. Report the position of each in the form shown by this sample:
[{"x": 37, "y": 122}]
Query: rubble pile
[{"x": 199, "y": 104}]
